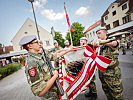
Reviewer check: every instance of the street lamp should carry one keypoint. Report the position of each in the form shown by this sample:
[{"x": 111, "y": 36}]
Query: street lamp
[
  {"x": 31, "y": 0},
  {"x": 34, "y": 17},
  {"x": 60, "y": 88}
]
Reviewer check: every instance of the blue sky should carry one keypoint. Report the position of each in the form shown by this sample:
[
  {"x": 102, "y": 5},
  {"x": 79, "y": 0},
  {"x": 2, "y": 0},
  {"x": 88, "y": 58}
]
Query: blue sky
[{"x": 49, "y": 13}]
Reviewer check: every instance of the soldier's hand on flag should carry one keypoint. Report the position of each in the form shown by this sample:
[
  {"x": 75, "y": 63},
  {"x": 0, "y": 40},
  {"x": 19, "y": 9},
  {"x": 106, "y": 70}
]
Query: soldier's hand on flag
[
  {"x": 55, "y": 73},
  {"x": 95, "y": 42}
]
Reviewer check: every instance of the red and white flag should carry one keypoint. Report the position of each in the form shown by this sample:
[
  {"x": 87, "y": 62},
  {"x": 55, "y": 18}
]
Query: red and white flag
[
  {"x": 70, "y": 26},
  {"x": 82, "y": 80}
]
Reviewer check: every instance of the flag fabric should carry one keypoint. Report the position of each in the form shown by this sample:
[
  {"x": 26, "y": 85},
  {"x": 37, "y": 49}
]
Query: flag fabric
[
  {"x": 53, "y": 32},
  {"x": 70, "y": 26},
  {"x": 80, "y": 83}
]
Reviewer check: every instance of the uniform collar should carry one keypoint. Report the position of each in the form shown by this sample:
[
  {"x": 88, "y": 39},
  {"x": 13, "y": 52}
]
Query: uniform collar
[{"x": 39, "y": 56}]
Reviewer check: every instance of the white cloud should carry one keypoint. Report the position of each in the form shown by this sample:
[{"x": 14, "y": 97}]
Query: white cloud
[
  {"x": 83, "y": 11},
  {"x": 51, "y": 15},
  {"x": 43, "y": 1},
  {"x": 39, "y": 3}
]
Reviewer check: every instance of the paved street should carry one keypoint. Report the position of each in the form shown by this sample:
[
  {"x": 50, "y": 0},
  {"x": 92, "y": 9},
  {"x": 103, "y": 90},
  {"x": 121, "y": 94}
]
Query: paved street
[{"x": 15, "y": 86}]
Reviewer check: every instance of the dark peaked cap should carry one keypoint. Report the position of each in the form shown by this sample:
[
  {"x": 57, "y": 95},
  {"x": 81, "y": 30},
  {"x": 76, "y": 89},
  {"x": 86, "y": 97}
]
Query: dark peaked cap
[{"x": 27, "y": 39}]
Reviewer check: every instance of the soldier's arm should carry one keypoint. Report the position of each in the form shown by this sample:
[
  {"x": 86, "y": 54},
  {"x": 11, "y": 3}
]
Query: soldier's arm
[
  {"x": 63, "y": 52},
  {"x": 112, "y": 44},
  {"x": 49, "y": 83},
  {"x": 98, "y": 41},
  {"x": 58, "y": 51}
]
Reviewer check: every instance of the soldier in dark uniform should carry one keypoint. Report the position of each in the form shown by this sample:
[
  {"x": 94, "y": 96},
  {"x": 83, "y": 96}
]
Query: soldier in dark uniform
[
  {"x": 36, "y": 69},
  {"x": 111, "y": 77}
]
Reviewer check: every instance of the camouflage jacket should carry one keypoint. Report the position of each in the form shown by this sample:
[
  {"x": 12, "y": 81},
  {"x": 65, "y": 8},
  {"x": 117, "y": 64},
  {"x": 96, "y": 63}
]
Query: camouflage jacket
[
  {"x": 131, "y": 40},
  {"x": 56, "y": 62},
  {"x": 111, "y": 52},
  {"x": 54, "y": 49},
  {"x": 123, "y": 43},
  {"x": 38, "y": 74}
]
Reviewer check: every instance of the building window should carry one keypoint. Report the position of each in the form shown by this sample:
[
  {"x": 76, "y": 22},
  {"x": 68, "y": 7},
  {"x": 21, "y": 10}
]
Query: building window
[
  {"x": 116, "y": 23},
  {"x": 30, "y": 25},
  {"x": 47, "y": 43},
  {"x": 108, "y": 27},
  {"x": 114, "y": 13},
  {"x": 88, "y": 35},
  {"x": 106, "y": 17},
  {"x": 25, "y": 32},
  {"x": 112, "y": 6},
  {"x": 93, "y": 33},
  {"x": 124, "y": 6},
  {"x": 126, "y": 19}
]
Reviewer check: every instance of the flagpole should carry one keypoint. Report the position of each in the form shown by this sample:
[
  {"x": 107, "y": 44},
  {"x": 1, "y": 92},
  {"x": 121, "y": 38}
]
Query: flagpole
[
  {"x": 71, "y": 37},
  {"x": 68, "y": 25}
]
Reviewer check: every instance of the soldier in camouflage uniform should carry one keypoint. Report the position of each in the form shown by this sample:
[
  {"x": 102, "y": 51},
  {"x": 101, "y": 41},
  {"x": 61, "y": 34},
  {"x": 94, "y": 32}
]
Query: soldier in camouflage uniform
[
  {"x": 111, "y": 77},
  {"x": 67, "y": 44},
  {"x": 83, "y": 41},
  {"x": 37, "y": 71},
  {"x": 131, "y": 41},
  {"x": 92, "y": 86},
  {"x": 123, "y": 45},
  {"x": 56, "y": 49}
]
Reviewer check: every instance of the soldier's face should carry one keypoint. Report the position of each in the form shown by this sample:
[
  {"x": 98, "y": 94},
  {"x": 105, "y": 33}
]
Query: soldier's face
[
  {"x": 102, "y": 34},
  {"x": 56, "y": 44},
  {"x": 67, "y": 43},
  {"x": 83, "y": 42},
  {"x": 35, "y": 47}
]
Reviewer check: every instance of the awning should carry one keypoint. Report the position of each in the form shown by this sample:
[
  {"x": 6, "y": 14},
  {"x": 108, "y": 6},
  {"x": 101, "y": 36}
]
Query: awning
[{"x": 13, "y": 54}]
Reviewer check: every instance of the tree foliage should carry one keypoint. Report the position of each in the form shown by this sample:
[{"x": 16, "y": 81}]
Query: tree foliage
[{"x": 76, "y": 34}]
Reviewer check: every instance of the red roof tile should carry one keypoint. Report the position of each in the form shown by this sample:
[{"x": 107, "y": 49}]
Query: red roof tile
[{"x": 93, "y": 26}]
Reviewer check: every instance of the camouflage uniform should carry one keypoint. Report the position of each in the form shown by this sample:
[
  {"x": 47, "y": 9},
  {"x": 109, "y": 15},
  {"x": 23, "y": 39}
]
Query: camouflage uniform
[
  {"x": 56, "y": 62},
  {"x": 128, "y": 43},
  {"x": 111, "y": 77},
  {"x": 54, "y": 49},
  {"x": 38, "y": 74},
  {"x": 92, "y": 85},
  {"x": 132, "y": 44},
  {"x": 123, "y": 46}
]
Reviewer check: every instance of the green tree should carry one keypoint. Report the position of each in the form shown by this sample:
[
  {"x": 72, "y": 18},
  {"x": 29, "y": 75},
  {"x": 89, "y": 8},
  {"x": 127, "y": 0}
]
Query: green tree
[
  {"x": 76, "y": 34},
  {"x": 59, "y": 39}
]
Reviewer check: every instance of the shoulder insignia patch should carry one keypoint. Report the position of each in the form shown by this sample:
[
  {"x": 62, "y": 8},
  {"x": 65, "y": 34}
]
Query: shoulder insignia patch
[{"x": 32, "y": 72}]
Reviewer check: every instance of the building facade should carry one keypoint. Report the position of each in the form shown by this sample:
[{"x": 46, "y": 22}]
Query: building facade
[
  {"x": 90, "y": 33},
  {"x": 29, "y": 28},
  {"x": 6, "y": 49},
  {"x": 118, "y": 17}
]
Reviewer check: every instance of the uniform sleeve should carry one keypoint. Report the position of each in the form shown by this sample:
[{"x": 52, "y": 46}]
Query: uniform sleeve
[
  {"x": 36, "y": 82},
  {"x": 52, "y": 57}
]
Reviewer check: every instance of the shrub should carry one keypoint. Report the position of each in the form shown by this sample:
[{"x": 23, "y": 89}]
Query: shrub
[
  {"x": 9, "y": 69},
  {"x": 15, "y": 59},
  {"x": 20, "y": 58}
]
